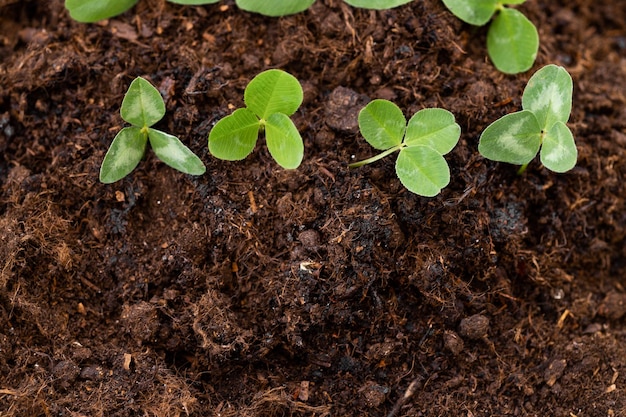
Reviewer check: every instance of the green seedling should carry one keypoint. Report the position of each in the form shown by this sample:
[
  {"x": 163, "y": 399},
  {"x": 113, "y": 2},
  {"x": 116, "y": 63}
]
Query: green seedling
[
  {"x": 89, "y": 11},
  {"x": 512, "y": 39},
  {"x": 517, "y": 137},
  {"x": 142, "y": 107},
  {"x": 430, "y": 134},
  {"x": 270, "y": 98}
]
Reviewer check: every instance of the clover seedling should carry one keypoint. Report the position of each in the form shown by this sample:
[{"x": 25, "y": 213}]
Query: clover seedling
[
  {"x": 430, "y": 134},
  {"x": 142, "y": 107},
  {"x": 270, "y": 98},
  {"x": 512, "y": 39},
  {"x": 517, "y": 137}
]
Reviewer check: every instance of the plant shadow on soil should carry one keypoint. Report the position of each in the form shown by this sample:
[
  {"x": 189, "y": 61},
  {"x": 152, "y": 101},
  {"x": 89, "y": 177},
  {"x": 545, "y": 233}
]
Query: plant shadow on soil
[{"x": 255, "y": 291}]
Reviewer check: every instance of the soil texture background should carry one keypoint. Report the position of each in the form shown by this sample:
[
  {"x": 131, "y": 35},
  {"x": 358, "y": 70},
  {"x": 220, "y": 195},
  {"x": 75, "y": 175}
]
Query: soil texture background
[{"x": 255, "y": 291}]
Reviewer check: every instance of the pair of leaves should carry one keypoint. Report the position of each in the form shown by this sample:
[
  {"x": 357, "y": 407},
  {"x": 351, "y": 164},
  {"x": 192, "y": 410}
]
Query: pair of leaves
[
  {"x": 517, "y": 137},
  {"x": 270, "y": 97},
  {"x": 512, "y": 39},
  {"x": 429, "y": 134},
  {"x": 89, "y": 11},
  {"x": 142, "y": 107}
]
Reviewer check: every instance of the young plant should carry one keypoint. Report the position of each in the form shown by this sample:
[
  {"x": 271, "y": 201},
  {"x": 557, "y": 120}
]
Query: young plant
[
  {"x": 89, "y": 11},
  {"x": 512, "y": 39},
  {"x": 274, "y": 7},
  {"x": 430, "y": 134},
  {"x": 517, "y": 137},
  {"x": 270, "y": 97},
  {"x": 142, "y": 107}
]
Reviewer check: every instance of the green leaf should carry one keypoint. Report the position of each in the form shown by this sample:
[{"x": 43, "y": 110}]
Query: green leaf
[
  {"x": 512, "y": 42},
  {"x": 193, "y": 2},
  {"x": 435, "y": 128},
  {"x": 123, "y": 155},
  {"x": 422, "y": 170},
  {"x": 512, "y": 1},
  {"x": 89, "y": 11},
  {"x": 273, "y": 91},
  {"x": 377, "y": 4},
  {"x": 274, "y": 7},
  {"x": 143, "y": 105},
  {"x": 382, "y": 124},
  {"x": 474, "y": 12},
  {"x": 548, "y": 95},
  {"x": 514, "y": 138},
  {"x": 170, "y": 149},
  {"x": 558, "y": 152},
  {"x": 233, "y": 138},
  {"x": 284, "y": 141}
]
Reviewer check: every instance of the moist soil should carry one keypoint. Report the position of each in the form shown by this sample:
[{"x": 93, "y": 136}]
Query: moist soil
[{"x": 322, "y": 291}]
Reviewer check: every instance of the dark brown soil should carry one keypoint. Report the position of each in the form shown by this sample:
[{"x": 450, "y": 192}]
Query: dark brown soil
[{"x": 255, "y": 291}]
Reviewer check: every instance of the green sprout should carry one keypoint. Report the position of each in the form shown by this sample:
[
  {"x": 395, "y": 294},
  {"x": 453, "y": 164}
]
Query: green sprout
[
  {"x": 512, "y": 39},
  {"x": 142, "y": 107},
  {"x": 517, "y": 137},
  {"x": 89, "y": 11},
  {"x": 270, "y": 97},
  {"x": 430, "y": 134}
]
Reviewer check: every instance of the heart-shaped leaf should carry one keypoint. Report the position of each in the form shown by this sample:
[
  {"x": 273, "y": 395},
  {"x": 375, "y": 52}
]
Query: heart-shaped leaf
[
  {"x": 435, "y": 128},
  {"x": 474, "y": 12},
  {"x": 514, "y": 138},
  {"x": 382, "y": 124},
  {"x": 143, "y": 105},
  {"x": 422, "y": 170},
  {"x": 548, "y": 95},
  {"x": 284, "y": 141},
  {"x": 233, "y": 137},
  {"x": 274, "y": 7},
  {"x": 558, "y": 151},
  {"x": 512, "y": 42},
  {"x": 170, "y": 149},
  {"x": 124, "y": 154},
  {"x": 377, "y": 4},
  {"x": 273, "y": 91},
  {"x": 88, "y": 11}
]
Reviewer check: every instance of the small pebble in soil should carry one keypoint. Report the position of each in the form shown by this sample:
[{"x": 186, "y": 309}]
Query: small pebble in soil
[
  {"x": 474, "y": 327},
  {"x": 374, "y": 394},
  {"x": 310, "y": 239},
  {"x": 453, "y": 342},
  {"x": 613, "y": 306}
]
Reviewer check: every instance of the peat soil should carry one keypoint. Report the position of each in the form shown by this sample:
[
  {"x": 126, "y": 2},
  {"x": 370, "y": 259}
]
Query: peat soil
[{"x": 323, "y": 291}]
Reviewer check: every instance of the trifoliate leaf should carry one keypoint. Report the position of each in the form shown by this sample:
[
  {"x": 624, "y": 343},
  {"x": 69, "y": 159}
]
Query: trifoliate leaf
[
  {"x": 422, "y": 170},
  {"x": 284, "y": 141},
  {"x": 233, "y": 137},
  {"x": 143, "y": 105},
  {"x": 170, "y": 149},
  {"x": 512, "y": 42},
  {"x": 435, "y": 128},
  {"x": 123, "y": 155},
  {"x": 514, "y": 138},
  {"x": 382, "y": 124}
]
